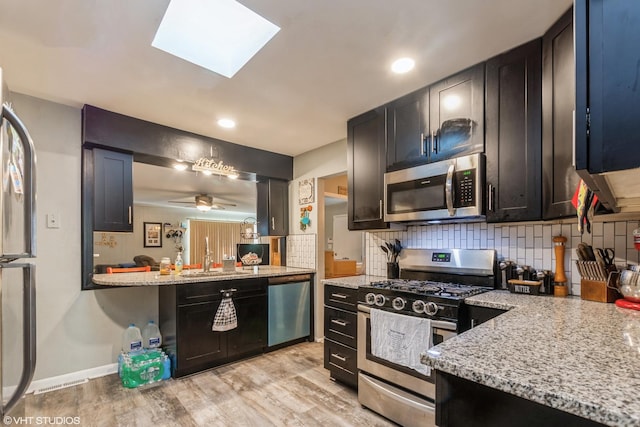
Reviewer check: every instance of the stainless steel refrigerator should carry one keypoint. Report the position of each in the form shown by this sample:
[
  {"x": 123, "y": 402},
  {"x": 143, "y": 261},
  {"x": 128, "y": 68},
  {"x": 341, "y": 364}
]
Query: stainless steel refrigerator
[{"x": 17, "y": 245}]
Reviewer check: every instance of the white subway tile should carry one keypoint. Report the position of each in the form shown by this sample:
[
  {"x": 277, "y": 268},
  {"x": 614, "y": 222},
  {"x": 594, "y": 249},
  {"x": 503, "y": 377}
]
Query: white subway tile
[
  {"x": 546, "y": 237},
  {"x": 537, "y": 230},
  {"x": 620, "y": 228},
  {"x": 597, "y": 229},
  {"x": 556, "y": 230}
]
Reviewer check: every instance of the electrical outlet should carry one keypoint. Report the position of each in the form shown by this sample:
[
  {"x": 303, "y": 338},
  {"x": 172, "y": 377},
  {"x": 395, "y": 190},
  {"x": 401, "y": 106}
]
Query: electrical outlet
[{"x": 53, "y": 220}]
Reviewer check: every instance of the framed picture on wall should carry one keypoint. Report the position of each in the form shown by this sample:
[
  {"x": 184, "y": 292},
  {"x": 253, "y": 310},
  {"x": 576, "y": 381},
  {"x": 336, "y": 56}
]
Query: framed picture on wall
[{"x": 152, "y": 235}]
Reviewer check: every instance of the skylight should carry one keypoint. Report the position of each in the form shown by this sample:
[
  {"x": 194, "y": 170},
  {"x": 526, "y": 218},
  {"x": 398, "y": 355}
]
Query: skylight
[{"x": 219, "y": 35}]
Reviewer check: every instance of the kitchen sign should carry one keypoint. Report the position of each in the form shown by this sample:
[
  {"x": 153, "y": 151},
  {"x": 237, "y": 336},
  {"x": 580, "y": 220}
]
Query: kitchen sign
[{"x": 204, "y": 164}]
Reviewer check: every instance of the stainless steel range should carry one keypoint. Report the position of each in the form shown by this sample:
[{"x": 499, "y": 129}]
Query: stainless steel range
[{"x": 399, "y": 319}]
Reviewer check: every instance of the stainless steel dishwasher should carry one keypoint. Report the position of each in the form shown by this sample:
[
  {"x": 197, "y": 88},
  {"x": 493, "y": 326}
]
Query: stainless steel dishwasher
[{"x": 289, "y": 308}]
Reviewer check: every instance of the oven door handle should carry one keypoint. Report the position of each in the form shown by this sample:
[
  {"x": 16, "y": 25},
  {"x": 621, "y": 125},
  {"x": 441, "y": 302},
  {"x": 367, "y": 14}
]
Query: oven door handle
[
  {"x": 435, "y": 324},
  {"x": 448, "y": 189}
]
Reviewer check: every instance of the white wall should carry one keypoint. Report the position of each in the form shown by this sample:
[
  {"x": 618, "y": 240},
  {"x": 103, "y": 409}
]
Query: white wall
[
  {"x": 328, "y": 160},
  {"x": 76, "y": 329}
]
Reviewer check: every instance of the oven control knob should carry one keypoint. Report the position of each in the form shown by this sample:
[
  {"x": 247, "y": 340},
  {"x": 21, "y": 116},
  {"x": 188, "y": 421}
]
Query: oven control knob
[
  {"x": 370, "y": 298},
  {"x": 418, "y": 306},
  {"x": 398, "y": 303},
  {"x": 431, "y": 308},
  {"x": 380, "y": 299}
]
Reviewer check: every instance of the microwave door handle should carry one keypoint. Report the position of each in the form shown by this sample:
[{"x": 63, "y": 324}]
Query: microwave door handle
[
  {"x": 29, "y": 182},
  {"x": 448, "y": 189},
  {"x": 29, "y": 333}
]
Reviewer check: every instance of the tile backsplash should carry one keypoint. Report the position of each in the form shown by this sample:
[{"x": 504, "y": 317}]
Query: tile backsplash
[
  {"x": 301, "y": 250},
  {"x": 527, "y": 244}
]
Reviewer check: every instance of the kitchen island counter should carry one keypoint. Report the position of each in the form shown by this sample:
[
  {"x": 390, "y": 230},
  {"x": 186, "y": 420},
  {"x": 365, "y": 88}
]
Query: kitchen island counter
[
  {"x": 154, "y": 278},
  {"x": 569, "y": 354}
]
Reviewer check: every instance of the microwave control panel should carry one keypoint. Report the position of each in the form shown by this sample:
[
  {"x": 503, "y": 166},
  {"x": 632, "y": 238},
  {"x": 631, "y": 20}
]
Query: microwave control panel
[{"x": 465, "y": 185}]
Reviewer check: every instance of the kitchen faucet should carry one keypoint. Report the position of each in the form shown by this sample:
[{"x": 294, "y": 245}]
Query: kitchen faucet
[{"x": 206, "y": 264}]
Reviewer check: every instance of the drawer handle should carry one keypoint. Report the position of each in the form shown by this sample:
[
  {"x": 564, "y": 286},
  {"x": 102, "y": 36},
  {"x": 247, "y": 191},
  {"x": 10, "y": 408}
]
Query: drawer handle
[
  {"x": 341, "y": 296},
  {"x": 339, "y": 322},
  {"x": 340, "y": 358}
]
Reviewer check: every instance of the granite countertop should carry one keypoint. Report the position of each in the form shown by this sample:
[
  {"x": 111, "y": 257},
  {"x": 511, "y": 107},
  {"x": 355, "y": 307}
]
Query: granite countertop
[
  {"x": 153, "y": 278},
  {"x": 352, "y": 282},
  {"x": 567, "y": 353}
]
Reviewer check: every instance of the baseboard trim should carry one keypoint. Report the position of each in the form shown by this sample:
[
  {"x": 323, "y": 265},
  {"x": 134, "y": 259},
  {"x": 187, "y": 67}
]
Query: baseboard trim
[{"x": 67, "y": 380}]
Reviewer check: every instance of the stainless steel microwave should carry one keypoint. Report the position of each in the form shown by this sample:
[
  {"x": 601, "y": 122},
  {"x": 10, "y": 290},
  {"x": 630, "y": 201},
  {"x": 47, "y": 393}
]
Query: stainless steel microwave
[{"x": 446, "y": 190}]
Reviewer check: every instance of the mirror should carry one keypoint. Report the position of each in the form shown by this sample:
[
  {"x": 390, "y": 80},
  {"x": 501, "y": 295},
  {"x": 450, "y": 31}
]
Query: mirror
[{"x": 166, "y": 196}]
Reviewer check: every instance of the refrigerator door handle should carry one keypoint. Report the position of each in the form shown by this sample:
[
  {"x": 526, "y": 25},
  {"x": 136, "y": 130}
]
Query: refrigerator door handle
[
  {"x": 29, "y": 337},
  {"x": 29, "y": 184}
]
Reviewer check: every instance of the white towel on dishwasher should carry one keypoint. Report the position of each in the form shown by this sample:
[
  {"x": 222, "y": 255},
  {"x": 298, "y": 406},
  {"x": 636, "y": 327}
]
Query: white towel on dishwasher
[{"x": 400, "y": 339}]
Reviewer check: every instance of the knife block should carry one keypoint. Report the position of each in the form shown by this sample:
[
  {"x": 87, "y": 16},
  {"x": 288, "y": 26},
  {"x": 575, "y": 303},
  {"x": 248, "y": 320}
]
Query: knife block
[{"x": 600, "y": 291}]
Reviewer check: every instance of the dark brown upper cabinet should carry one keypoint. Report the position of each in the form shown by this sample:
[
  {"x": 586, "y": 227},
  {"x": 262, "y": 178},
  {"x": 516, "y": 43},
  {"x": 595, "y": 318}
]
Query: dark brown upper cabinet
[
  {"x": 559, "y": 177},
  {"x": 365, "y": 170},
  {"x": 408, "y": 130},
  {"x": 513, "y": 134},
  {"x": 608, "y": 85},
  {"x": 273, "y": 208},
  {"x": 456, "y": 115},
  {"x": 112, "y": 191}
]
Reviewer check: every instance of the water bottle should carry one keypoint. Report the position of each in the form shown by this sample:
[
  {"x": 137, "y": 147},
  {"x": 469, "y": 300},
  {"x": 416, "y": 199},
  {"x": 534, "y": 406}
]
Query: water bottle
[
  {"x": 132, "y": 340},
  {"x": 178, "y": 263},
  {"x": 151, "y": 337}
]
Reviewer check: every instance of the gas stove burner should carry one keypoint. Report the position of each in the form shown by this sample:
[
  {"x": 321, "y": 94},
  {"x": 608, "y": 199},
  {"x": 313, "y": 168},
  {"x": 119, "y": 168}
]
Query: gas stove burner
[{"x": 427, "y": 287}]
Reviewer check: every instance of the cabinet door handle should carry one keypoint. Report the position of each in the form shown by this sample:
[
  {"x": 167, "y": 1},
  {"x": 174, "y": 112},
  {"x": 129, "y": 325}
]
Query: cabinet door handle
[
  {"x": 473, "y": 323},
  {"x": 340, "y": 358},
  {"x": 341, "y": 296},
  {"x": 380, "y": 204},
  {"x": 339, "y": 322},
  {"x": 434, "y": 142},
  {"x": 130, "y": 215},
  {"x": 422, "y": 144},
  {"x": 492, "y": 208},
  {"x": 273, "y": 223}
]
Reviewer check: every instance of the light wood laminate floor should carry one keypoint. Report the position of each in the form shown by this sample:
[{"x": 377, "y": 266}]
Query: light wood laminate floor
[{"x": 287, "y": 387}]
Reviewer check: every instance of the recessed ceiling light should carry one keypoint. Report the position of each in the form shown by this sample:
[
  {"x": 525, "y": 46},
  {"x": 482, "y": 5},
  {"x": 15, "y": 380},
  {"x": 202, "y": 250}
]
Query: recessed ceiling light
[
  {"x": 226, "y": 123},
  {"x": 220, "y": 35},
  {"x": 402, "y": 65}
]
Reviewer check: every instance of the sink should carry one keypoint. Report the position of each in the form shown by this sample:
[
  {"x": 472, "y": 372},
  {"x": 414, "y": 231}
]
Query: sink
[{"x": 212, "y": 273}]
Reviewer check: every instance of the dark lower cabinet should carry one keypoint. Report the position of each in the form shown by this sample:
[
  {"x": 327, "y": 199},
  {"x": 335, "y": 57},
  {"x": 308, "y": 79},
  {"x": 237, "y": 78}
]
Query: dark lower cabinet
[
  {"x": 478, "y": 314},
  {"x": 559, "y": 177},
  {"x": 340, "y": 334},
  {"x": 464, "y": 403},
  {"x": 513, "y": 134},
  {"x": 186, "y": 317}
]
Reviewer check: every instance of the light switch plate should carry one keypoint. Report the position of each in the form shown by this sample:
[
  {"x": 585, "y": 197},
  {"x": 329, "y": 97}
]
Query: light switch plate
[{"x": 53, "y": 220}]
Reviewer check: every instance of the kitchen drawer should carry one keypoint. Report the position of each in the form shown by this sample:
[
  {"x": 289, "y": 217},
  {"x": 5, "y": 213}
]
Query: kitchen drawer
[
  {"x": 209, "y": 291},
  {"x": 340, "y": 297},
  {"x": 341, "y": 361},
  {"x": 340, "y": 326}
]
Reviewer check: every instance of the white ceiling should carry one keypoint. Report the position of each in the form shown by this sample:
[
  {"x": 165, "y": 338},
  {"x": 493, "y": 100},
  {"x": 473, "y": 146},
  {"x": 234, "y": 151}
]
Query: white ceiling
[{"x": 329, "y": 62}]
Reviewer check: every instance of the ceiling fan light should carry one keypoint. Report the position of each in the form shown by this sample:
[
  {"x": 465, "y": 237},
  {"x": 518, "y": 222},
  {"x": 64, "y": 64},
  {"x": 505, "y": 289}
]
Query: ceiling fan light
[{"x": 203, "y": 208}]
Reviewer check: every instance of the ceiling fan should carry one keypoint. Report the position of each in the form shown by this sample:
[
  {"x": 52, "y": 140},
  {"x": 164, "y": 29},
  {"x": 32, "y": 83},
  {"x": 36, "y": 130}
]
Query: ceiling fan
[{"x": 204, "y": 202}]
